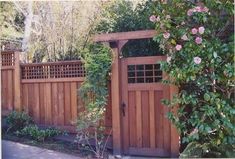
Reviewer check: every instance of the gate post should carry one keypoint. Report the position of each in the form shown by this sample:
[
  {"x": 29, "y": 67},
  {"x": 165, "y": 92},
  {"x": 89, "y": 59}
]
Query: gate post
[
  {"x": 115, "y": 92},
  {"x": 17, "y": 89}
]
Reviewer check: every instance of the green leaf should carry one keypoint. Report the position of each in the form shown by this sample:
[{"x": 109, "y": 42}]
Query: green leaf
[
  {"x": 206, "y": 97},
  {"x": 215, "y": 54}
]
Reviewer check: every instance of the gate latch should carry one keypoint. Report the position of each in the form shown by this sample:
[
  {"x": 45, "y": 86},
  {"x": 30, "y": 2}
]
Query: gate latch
[{"x": 123, "y": 106}]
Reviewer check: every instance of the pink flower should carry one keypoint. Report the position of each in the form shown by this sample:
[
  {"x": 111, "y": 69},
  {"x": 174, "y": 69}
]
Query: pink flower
[
  {"x": 168, "y": 59},
  {"x": 197, "y": 60},
  {"x": 198, "y": 40},
  {"x": 194, "y": 31},
  {"x": 197, "y": 9},
  {"x": 201, "y": 30},
  {"x": 178, "y": 47},
  {"x": 204, "y": 9},
  {"x": 190, "y": 12},
  {"x": 166, "y": 35},
  {"x": 184, "y": 37},
  {"x": 153, "y": 18},
  {"x": 158, "y": 19}
]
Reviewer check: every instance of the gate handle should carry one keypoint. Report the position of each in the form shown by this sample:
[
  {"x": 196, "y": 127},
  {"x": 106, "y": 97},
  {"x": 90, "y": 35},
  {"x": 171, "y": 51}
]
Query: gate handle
[{"x": 123, "y": 108}]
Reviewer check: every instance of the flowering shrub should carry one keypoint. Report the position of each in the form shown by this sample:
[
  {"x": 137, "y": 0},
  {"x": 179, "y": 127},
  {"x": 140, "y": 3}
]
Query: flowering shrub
[{"x": 200, "y": 62}]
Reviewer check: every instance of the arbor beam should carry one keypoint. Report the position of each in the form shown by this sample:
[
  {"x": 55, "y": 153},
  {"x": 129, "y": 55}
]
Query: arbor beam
[{"x": 141, "y": 34}]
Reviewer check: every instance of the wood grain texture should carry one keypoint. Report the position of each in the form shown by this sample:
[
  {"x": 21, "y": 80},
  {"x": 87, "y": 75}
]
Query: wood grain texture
[
  {"x": 159, "y": 119},
  {"x": 141, "y": 34},
  {"x": 61, "y": 103},
  {"x": 47, "y": 103},
  {"x": 152, "y": 119},
  {"x": 115, "y": 85},
  {"x": 74, "y": 104},
  {"x": 145, "y": 118},
  {"x": 55, "y": 103},
  {"x": 42, "y": 103},
  {"x": 139, "y": 119},
  {"x": 67, "y": 108},
  {"x": 132, "y": 118},
  {"x": 36, "y": 110}
]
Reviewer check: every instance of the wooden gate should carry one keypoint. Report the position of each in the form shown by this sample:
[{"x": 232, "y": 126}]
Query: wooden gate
[{"x": 145, "y": 128}]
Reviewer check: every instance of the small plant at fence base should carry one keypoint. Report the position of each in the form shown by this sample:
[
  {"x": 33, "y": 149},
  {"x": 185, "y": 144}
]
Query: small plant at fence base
[
  {"x": 17, "y": 121},
  {"x": 94, "y": 92},
  {"x": 200, "y": 62},
  {"x": 35, "y": 133}
]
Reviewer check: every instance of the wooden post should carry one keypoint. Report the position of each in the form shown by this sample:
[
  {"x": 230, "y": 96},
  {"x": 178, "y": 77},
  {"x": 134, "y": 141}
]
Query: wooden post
[
  {"x": 1, "y": 79},
  {"x": 174, "y": 134},
  {"x": 115, "y": 92},
  {"x": 17, "y": 89}
]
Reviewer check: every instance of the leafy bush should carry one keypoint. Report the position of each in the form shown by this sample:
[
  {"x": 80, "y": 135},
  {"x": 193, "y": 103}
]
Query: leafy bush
[
  {"x": 121, "y": 16},
  {"x": 17, "y": 121},
  {"x": 35, "y": 133},
  {"x": 200, "y": 62},
  {"x": 94, "y": 92}
]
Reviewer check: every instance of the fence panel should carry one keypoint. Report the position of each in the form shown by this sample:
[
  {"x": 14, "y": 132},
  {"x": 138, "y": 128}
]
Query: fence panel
[
  {"x": 49, "y": 91},
  {"x": 7, "y": 83}
]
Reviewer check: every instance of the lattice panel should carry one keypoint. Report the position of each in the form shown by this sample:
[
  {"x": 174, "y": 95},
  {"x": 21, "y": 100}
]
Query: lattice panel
[
  {"x": 53, "y": 70},
  {"x": 8, "y": 59},
  {"x": 148, "y": 73}
]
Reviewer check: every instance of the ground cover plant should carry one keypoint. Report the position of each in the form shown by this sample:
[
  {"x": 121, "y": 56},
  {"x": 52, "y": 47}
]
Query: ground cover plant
[
  {"x": 22, "y": 125},
  {"x": 200, "y": 61}
]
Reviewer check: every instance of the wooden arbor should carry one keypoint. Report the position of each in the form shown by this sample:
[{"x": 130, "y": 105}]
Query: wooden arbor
[{"x": 120, "y": 145}]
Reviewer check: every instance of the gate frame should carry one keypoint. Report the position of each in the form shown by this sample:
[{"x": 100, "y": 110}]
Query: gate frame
[{"x": 116, "y": 41}]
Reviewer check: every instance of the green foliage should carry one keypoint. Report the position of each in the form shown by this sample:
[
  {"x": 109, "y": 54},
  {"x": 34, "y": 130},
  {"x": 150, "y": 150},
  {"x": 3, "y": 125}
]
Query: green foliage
[
  {"x": 35, "y": 133},
  {"x": 17, "y": 121},
  {"x": 121, "y": 16},
  {"x": 203, "y": 71},
  {"x": 197, "y": 150},
  {"x": 94, "y": 90}
]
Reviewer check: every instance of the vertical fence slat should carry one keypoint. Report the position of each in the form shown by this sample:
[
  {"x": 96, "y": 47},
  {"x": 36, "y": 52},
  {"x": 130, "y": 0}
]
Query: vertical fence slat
[
  {"x": 36, "y": 110},
  {"x": 132, "y": 118},
  {"x": 55, "y": 103},
  {"x": 159, "y": 122},
  {"x": 42, "y": 103},
  {"x": 17, "y": 78},
  {"x": 145, "y": 118},
  {"x": 74, "y": 101},
  {"x": 61, "y": 103},
  {"x": 139, "y": 119},
  {"x": 9, "y": 90},
  {"x": 67, "y": 107},
  {"x": 47, "y": 100},
  {"x": 152, "y": 119}
]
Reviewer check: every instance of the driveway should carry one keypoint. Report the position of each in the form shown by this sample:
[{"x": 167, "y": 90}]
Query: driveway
[{"x": 13, "y": 150}]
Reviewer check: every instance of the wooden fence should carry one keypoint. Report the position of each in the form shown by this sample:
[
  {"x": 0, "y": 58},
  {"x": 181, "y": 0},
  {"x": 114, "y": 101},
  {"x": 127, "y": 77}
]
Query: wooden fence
[{"x": 47, "y": 91}]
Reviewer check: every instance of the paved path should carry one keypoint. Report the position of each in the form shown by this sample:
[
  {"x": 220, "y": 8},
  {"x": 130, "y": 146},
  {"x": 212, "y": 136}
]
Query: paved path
[{"x": 13, "y": 150}]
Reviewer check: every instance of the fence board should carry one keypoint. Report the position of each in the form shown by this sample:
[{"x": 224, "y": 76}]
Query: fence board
[
  {"x": 9, "y": 90},
  {"x": 74, "y": 101},
  {"x": 36, "y": 110},
  {"x": 61, "y": 103},
  {"x": 55, "y": 104},
  {"x": 67, "y": 108},
  {"x": 47, "y": 103},
  {"x": 145, "y": 118},
  {"x": 138, "y": 119},
  {"x": 42, "y": 107}
]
